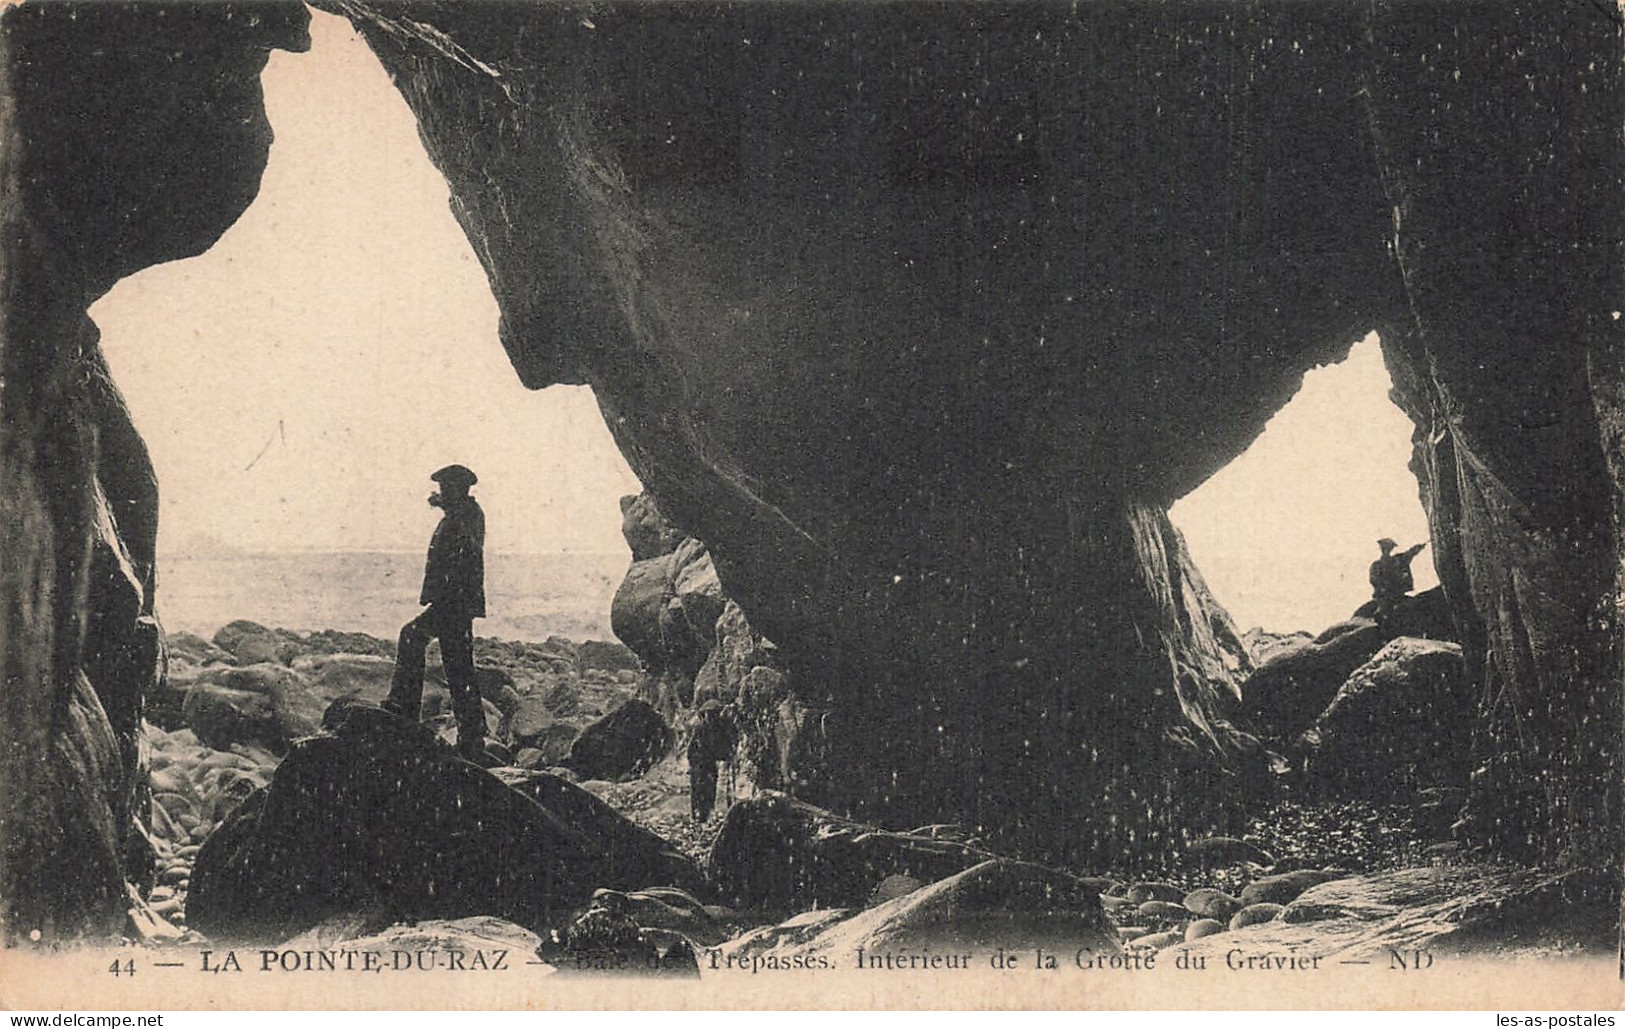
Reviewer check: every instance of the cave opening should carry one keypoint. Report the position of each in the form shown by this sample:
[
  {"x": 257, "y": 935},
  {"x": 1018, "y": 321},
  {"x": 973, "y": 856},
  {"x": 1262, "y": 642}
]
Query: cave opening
[
  {"x": 1285, "y": 533},
  {"x": 1513, "y": 455},
  {"x": 348, "y": 302}
]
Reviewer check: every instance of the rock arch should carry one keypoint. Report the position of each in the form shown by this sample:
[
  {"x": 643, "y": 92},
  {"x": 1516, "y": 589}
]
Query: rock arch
[{"x": 920, "y": 324}]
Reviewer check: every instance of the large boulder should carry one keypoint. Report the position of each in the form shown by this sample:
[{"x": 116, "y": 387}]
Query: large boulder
[
  {"x": 775, "y": 852},
  {"x": 266, "y": 704},
  {"x": 250, "y": 643},
  {"x": 621, "y": 745},
  {"x": 996, "y": 903},
  {"x": 647, "y": 533},
  {"x": 1288, "y": 692},
  {"x": 376, "y": 813},
  {"x": 343, "y": 674},
  {"x": 737, "y": 652},
  {"x": 1446, "y": 910},
  {"x": 1425, "y": 615},
  {"x": 607, "y": 656},
  {"x": 672, "y": 610},
  {"x": 1401, "y": 722},
  {"x": 194, "y": 649},
  {"x": 666, "y": 608}
]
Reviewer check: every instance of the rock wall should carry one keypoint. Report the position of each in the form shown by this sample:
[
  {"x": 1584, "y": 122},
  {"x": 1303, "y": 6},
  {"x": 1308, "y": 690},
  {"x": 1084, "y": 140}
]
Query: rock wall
[
  {"x": 667, "y": 606},
  {"x": 131, "y": 134},
  {"x": 1507, "y": 233},
  {"x": 921, "y": 323}
]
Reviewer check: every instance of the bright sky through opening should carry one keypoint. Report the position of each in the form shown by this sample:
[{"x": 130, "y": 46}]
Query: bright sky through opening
[{"x": 298, "y": 382}]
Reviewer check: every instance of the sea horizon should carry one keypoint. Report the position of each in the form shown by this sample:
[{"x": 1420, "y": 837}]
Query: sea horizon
[{"x": 529, "y": 595}]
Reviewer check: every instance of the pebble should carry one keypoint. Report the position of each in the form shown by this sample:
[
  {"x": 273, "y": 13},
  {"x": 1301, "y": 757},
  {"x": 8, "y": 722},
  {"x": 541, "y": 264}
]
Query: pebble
[
  {"x": 1230, "y": 851},
  {"x": 1161, "y": 911},
  {"x": 1203, "y": 927},
  {"x": 175, "y": 805},
  {"x": 1139, "y": 893},
  {"x": 1253, "y": 914},
  {"x": 1118, "y": 907},
  {"x": 1211, "y": 903},
  {"x": 1103, "y": 884},
  {"x": 1130, "y": 932},
  {"x": 1157, "y": 941},
  {"x": 1284, "y": 888},
  {"x": 193, "y": 786}
]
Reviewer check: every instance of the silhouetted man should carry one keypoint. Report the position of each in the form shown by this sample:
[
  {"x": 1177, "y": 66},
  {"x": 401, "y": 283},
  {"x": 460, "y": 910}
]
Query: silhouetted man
[
  {"x": 713, "y": 741},
  {"x": 1391, "y": 577},
  {"x": 454, "y": 590}
]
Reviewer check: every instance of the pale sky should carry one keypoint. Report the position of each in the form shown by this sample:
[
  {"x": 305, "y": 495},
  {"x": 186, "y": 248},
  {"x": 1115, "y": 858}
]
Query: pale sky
[
  {"x": 297, "y": 383},
  {"x": 345, "y": 321},
  {"x": 1286, "y": 533}
]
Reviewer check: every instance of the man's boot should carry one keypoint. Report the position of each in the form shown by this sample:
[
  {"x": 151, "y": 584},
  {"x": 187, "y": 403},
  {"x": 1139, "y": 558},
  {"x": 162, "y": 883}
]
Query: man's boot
[
  {"x": 471, "y": 728},
  {"x": 470, "y": 747}
]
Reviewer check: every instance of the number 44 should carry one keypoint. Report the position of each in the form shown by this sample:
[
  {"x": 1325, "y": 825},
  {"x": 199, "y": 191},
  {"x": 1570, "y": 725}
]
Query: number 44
[{"x": 126, "y": 967}]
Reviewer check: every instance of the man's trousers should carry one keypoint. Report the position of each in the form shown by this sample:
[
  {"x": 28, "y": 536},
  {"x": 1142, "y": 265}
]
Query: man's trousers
[{"x": 455, "y": 631}]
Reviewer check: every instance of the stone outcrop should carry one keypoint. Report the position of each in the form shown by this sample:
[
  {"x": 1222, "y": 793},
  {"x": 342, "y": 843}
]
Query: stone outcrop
[
  {"x": 621, "y": 745},
  {"x": 952, "y": 522},
  {"x": 1290, "y": 690},
  {"x": 1508, "y": 245},
  {"x": 1298, "y": 676},
  {"x": 992, "y": 904},
  {"x": 775, "y": 852},
  {"x": 376, "y": 814},
  {"x": 129, "y": 135},
  {"x": 699, "y": 647},
  {"x": 1463, "y": 909},
  {"x": 672, "y": 612},
  {"x": 1401, "y": 722}
]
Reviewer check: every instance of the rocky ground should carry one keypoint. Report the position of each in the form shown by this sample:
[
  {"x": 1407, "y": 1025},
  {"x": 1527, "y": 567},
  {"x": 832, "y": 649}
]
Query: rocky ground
[
  {"x": 1341, "y": 858},
  {"x": 235, "y": 704}
]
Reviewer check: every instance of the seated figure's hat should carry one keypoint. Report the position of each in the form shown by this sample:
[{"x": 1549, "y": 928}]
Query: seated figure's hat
[
  {"x": 455, "y": 475},
  {"x": 1385, "y": 542}
]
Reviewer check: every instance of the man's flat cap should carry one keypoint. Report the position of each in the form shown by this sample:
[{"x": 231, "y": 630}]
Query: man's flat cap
[
  {"x": 1384, "y": 542},
  {"x": 455, "y": 475}
]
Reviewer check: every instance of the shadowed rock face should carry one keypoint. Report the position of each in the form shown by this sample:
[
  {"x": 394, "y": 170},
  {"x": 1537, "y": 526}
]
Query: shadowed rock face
[
  {"x": 919, "y": 318},
  {"x": 879, "y": 305},
  {"x": 1507, "y": 223},
  {"x": 919, "y": 322},
  {"x": 377, "y": 813},
  {"x": 132, "y": 134}
]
